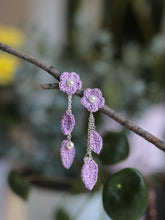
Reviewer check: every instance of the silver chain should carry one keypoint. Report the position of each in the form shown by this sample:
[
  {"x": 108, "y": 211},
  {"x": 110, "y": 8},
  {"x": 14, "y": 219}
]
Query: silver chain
[
  {"x": 70, "y": 103},
  {"x": 91, "y": 123},
  {"x": 69, "y": 136},
  {"x": 91, "y": 127}
]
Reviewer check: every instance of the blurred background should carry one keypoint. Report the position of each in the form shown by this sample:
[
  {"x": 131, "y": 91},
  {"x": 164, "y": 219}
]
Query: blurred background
[{"x": 115, "y": 45}]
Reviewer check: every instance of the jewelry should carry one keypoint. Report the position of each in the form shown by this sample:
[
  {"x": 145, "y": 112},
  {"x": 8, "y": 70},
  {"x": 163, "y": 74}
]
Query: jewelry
[
  {"x": 92, "y": 100},
  {"x": 69, "y": 83}
]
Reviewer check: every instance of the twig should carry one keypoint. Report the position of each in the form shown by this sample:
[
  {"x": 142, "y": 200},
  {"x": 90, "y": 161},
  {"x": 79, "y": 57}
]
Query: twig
[
  {"x": 48, "y": 68},
  {"x": 151, "y": 211},
  {"x": 51, "y": 182},
  {"x": 105, "y": 109},
  {"x": 50, "y": 86},
  {"x": 133, "y": 127}
]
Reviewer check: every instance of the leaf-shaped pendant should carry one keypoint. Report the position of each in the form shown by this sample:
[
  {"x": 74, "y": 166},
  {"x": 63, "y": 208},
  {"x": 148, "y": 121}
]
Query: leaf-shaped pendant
[
  {"x": 89, "y": 173},
  {"x": 67, "y": 123},
  {"x": 95, "y": 141},
  {"x": 67, "y": 153}
]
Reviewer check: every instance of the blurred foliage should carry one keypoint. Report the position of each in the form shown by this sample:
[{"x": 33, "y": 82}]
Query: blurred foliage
[
  {"x": 61, "y": 215},
  {"x": 19, "y": 184},
  {"x": 126, "y": 67},
  {"x": 137, "y": 20},
  {"x": 125, "y": 195},
  {"x": 116, "y": 148}
]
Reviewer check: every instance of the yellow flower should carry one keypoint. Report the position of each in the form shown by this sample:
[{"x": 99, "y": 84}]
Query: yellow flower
[
  {"x": 8, "y": 66},
  {"x": 8, "y": 63},
  {"x": 11, "y": 36}
]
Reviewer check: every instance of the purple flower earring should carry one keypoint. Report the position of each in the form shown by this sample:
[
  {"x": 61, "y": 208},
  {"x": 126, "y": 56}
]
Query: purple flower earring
[
  {"x": 92, "y": 100},
  {"x": 69, "y": 83}
]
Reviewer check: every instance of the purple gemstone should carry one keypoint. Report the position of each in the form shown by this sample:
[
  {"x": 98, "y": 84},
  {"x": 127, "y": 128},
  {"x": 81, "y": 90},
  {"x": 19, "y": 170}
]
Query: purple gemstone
[
  {"x": 67, "y": 123},
  {"x": 95, "y": 141},
  {"x": 89, "y": 173},
  {"x": 67, "y": 155}
]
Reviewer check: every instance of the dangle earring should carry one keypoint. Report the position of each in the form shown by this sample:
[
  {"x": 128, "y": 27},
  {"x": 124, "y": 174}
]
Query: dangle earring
[
  {"x": 92, "y": 100},
  {"x": 69, "y": 83}
]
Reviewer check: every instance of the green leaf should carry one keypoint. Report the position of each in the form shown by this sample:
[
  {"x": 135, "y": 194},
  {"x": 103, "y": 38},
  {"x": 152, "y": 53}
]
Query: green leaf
[
  {"x": 144, "y": 18},
  {"x": 112, "y": 92},
  {"x": 125, "y": 195},
  {"x": 61, "y": 214},
  {"x": 115, "y": 148},
  {"x": 19, "y": 184}
]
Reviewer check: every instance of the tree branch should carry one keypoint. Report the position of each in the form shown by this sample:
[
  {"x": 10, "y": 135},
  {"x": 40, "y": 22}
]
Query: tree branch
[
  {"x": 105, "y": 109},
  {"x": 48, "y": 68},
  {"x": 50, "y": 86}
]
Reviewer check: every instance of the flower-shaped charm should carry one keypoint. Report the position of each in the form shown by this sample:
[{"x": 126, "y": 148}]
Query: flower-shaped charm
[
  {"x": 70, "y": 82},
  {"x": 92, "y": 99},
  {"x": 67, "y": 153},
  {"x": 89, "y": 173}
]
